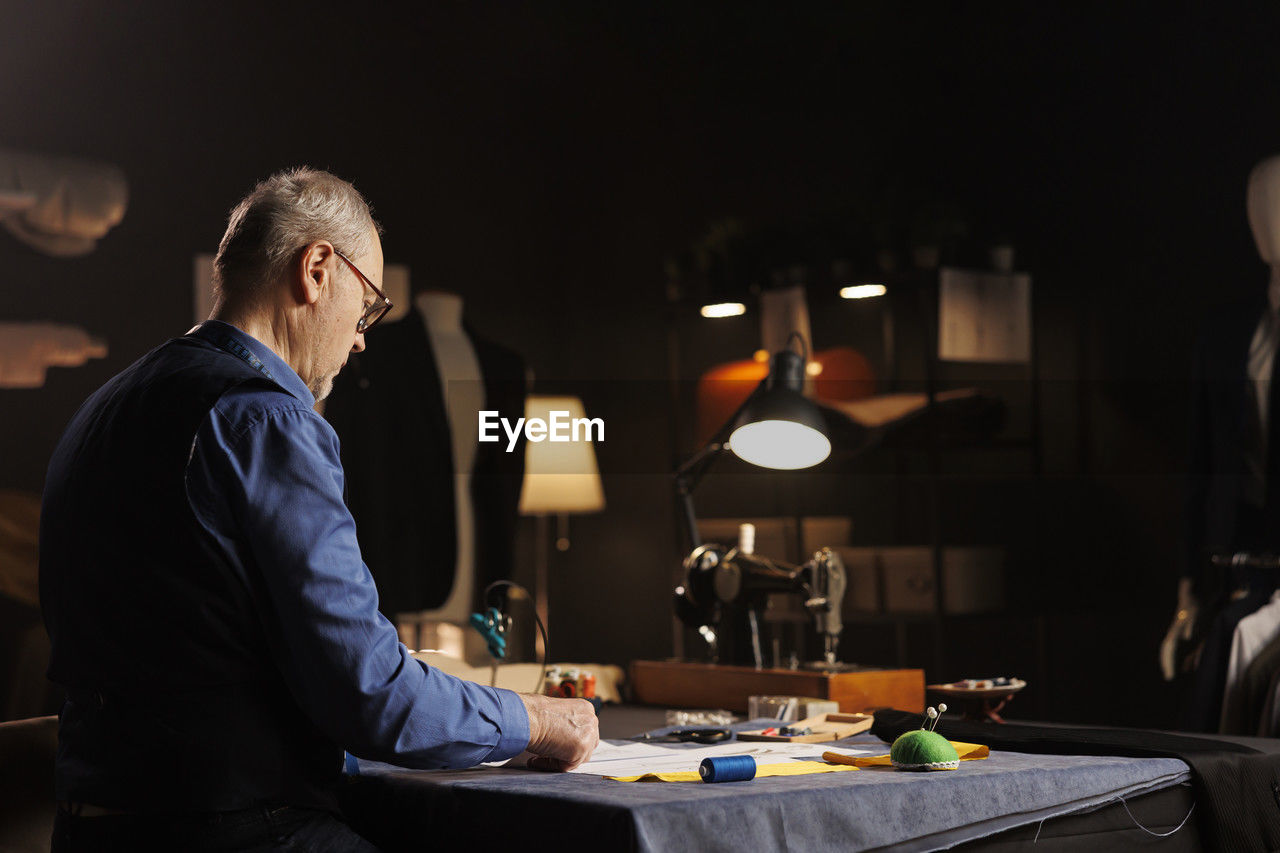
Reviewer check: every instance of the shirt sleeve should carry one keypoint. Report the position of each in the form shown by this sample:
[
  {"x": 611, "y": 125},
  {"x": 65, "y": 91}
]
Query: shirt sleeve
[{"x": 270, "y": 491}]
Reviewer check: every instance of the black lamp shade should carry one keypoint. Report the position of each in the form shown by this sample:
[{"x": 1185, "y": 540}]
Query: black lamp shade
[{"x": 781, "y": 429}]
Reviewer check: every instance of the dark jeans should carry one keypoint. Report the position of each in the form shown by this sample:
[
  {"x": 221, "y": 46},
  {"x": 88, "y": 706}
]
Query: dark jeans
[{"x": 279, "y": 829}]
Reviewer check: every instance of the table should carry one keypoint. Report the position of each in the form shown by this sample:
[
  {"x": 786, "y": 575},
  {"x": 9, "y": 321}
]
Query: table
[{"x": 865, "y": 809}]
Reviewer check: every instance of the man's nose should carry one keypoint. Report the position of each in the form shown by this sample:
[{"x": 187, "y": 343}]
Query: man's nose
[{"x": 358, "y": 345}]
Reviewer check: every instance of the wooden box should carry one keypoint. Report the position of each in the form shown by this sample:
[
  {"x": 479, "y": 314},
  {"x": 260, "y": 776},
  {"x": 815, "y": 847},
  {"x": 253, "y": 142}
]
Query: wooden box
[{"x": 702, "y": 685}]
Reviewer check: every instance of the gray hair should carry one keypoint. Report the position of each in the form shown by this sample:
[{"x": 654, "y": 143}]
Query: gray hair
[{"x": 284, "y": 214}]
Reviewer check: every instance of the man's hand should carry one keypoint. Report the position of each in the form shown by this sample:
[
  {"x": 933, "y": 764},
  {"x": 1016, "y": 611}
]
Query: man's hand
[
  {"x": 562, "y": 732},
  {"x": 1183, "y": 623}
]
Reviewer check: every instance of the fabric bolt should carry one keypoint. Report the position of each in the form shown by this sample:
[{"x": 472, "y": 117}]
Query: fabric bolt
[
  {"x": 1237, "y": 786},
  {"x": 230, "y": 636},
  {"x": 1250, "y": 637}
]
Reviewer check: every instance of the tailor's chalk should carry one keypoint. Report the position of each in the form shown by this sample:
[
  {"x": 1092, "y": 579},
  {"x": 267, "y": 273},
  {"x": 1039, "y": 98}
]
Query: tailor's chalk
[{"x": 728, "y": 768}]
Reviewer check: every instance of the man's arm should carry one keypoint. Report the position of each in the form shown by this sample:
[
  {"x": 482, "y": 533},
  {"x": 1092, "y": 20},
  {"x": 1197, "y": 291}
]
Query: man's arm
[{"x": 270, "y": 492}]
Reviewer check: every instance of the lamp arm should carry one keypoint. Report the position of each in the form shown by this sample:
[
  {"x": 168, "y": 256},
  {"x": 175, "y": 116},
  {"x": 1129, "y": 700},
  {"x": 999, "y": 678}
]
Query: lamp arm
[{"x": 691, "y": 471}]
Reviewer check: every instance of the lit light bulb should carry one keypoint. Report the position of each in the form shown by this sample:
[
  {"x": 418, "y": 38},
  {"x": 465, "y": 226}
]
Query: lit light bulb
[
  {"x": 862, "y": 291},
  {"x": 724, "y": 309}
]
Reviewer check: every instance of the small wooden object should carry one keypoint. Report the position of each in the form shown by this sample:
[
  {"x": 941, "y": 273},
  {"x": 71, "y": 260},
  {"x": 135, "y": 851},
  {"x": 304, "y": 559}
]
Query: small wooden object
[{"x": 825, "y": 727}]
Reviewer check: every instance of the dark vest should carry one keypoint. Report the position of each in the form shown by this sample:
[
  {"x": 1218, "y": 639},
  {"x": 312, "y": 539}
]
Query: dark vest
[{"x": 174, "y": 703}]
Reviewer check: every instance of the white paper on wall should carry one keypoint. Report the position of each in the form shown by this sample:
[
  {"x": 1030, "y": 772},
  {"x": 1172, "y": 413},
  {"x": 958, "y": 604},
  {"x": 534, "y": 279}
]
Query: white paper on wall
[
  {"x": 984, "y": 316},
  {"x": 202, "y": 287}
]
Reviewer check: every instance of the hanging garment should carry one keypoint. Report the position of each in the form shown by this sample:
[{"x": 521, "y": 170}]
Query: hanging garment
[
  {"x": 1251, "y": 636},
  {"x": 1255, "y": 686},
  {"x": 1203, "y": 711}
]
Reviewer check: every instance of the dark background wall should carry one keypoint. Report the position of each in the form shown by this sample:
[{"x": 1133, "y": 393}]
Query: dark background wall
[{"x": 547, "y": 159}]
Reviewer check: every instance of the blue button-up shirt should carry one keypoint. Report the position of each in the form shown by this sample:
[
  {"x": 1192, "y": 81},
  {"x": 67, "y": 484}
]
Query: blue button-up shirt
[{"x": 266, "y": 482}]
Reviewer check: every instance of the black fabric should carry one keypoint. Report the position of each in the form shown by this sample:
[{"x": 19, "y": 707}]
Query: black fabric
[
  {"x": 388, "y": 408},
  {"x": 1237, "y": 787},
  {"x": 174, "y": 703}
]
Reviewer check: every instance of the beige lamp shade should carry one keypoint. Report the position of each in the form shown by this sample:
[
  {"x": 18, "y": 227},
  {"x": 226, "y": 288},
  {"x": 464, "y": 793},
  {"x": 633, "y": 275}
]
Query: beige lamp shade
[{"x": 560, "y": 476}]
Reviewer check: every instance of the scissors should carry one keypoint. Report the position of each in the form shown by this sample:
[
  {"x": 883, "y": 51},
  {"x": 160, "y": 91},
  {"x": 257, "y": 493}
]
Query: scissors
[{"x": 694, "y": 735}]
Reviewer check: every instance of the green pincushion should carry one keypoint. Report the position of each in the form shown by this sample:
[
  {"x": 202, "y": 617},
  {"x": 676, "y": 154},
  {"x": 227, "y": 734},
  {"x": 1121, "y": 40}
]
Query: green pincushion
[{"x": 923, "y": 750}]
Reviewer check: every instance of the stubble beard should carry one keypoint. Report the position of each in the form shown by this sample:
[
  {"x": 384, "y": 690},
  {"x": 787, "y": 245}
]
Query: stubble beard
[{"x": 323, "y": 387}]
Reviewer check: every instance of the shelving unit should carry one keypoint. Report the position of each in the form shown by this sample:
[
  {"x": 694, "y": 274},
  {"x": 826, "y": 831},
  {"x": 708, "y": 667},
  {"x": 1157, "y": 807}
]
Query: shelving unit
[{"x": 910, "y": 354}]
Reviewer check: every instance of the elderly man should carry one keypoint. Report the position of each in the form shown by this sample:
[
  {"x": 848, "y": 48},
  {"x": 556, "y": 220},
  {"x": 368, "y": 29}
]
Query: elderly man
[{"x": 211, "y": 619}]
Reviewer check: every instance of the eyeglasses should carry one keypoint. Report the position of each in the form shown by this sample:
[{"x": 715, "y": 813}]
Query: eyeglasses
[{"x": 374, "y": 312}]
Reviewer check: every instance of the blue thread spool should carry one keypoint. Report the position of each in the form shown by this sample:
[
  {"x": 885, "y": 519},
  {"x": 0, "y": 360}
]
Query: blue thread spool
[{"x": 728, "y": 768}]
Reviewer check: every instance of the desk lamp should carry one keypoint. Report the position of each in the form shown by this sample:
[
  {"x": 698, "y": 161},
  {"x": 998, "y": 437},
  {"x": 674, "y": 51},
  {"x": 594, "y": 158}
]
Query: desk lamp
[
  {"x": 559, "y": 478},
  {"x": 775, "y": 427}
]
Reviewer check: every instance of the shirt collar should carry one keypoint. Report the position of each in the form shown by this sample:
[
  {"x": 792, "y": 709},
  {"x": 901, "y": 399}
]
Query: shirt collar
[{"x": 262, "y": 357}]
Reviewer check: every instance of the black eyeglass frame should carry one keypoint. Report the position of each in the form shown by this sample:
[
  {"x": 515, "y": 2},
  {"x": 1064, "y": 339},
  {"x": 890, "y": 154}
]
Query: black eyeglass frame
[{"x": 378, "y": 309}]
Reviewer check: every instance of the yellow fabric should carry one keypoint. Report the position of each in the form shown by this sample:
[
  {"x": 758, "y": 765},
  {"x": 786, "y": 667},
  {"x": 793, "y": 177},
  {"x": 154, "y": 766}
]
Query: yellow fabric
[
  {"x": 966, "y": 751},
  {"x": 790, "y": 768}
]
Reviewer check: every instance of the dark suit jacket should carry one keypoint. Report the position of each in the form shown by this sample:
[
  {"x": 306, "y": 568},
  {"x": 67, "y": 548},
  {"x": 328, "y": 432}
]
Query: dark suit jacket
[
  {"x": 1220, "y": 424},
  {"x": 388, "y": 409}
]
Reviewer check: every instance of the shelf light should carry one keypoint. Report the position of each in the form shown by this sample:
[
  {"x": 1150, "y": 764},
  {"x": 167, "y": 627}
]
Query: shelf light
[
  {"x": 724, "y": 309},
  {"x": 862, "y": 291}
]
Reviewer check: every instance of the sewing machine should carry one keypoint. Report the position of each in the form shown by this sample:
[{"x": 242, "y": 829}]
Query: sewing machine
[{"x": 715, "y": 576}]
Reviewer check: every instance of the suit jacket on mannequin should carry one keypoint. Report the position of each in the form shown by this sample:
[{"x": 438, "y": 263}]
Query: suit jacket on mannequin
[
  {"x": 1220, "y": 438},
  {"x": 1234, "y": 500},
  {"x": 388, "y": 408}
]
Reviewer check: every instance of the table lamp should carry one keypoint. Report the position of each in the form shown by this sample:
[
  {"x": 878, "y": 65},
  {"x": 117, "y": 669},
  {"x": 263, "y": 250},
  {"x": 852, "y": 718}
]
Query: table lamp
[
  {"x": 776, "y": 427},
  {"x": 560, "y": 478}
]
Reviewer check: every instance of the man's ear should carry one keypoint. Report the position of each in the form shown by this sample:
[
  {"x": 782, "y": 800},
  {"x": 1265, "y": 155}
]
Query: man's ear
[{"x": 313, "y": 272}]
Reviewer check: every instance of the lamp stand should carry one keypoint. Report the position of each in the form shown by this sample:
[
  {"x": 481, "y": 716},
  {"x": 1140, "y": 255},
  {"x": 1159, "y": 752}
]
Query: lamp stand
[{"x": 542, "y": 548}]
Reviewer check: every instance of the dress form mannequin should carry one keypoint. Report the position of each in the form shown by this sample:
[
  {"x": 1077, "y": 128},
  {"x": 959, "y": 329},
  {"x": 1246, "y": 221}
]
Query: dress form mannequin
[
  {"x": 436, "y": 512},
  {"x": 1263, "y": 205},
  {"x": 463, "y": 389}
]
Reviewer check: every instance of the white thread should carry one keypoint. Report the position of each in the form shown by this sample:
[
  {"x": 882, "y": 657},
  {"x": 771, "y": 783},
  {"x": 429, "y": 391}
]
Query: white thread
[
  {"x": 1135, "y": 822},
  {"x": 1149, "y": 832}
]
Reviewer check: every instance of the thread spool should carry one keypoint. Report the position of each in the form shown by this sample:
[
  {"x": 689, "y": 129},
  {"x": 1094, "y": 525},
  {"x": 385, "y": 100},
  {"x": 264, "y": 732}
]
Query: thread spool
[{"x": 728, "y": 768}]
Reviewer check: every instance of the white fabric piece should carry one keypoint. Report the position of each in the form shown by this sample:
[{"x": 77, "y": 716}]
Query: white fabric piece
[
  {"x": 1252, "y": 635},
  {"x": 27, "y": 350}
]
